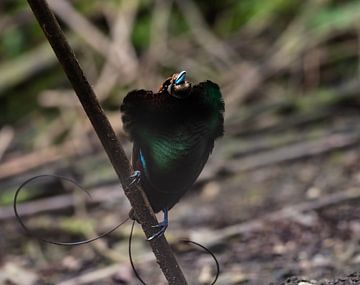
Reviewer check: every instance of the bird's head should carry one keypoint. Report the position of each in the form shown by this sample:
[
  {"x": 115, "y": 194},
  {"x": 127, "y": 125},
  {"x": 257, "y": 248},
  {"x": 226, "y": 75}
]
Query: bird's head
[{"x": 176, "y": 85}]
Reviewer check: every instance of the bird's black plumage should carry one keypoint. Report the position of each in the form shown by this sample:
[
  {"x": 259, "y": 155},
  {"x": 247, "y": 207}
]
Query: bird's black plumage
[{"x": 173, "y": 132}]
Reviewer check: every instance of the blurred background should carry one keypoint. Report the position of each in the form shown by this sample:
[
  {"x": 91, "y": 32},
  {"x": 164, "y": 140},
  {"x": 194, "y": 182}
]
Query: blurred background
[{"x": 278, "y": 195}]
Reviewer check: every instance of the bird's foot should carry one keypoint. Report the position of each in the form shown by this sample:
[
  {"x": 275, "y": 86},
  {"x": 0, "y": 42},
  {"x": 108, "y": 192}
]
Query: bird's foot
[
  {"x": 134, "y": 178},
  {"x": 162, "y": 226}
]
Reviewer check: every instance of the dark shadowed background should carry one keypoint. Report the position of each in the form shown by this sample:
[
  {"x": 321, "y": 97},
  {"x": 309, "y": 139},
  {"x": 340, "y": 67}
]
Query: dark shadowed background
[{"x": 279, "y": 194}]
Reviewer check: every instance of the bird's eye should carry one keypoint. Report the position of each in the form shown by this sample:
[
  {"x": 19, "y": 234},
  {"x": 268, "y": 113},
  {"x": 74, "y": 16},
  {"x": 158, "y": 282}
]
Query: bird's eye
[{"x": 180, "y": 79}]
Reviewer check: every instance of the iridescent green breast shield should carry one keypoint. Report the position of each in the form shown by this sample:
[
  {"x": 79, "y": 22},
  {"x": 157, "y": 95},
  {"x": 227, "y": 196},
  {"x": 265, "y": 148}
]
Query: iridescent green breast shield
[{"x": 173, "y": 136}]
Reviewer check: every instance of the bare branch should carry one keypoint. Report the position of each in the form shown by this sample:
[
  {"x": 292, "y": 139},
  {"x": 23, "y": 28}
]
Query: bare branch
[{"x": 107, "y": 136}]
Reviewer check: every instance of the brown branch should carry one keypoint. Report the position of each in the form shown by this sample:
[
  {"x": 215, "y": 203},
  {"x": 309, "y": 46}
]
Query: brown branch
[{"x": 107, "y": 136}]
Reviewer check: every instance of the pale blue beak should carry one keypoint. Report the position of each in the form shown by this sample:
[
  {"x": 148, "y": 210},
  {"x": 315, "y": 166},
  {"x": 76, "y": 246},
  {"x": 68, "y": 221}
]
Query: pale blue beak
[{"x": 180, "y": 78}]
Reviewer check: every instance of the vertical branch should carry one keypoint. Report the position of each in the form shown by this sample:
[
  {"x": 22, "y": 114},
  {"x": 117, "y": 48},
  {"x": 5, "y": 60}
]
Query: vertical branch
[{"x": 107, "y": 136}]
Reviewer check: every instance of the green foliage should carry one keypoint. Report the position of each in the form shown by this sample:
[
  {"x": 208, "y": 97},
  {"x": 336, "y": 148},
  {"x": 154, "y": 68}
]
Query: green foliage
[
  {"x": 336, "y": 18},
  {"x": 7, "y": 195},
  {"x": 13, "y": 43},
  {"x": 13, "y": 6},
  {"x": 141, "y": 31},
  {"x": 20, "y": 101},
  {"x": 77, "y": 225},
  {"x": 240, "y": 13},
  {"x": 177, "y": 24}
]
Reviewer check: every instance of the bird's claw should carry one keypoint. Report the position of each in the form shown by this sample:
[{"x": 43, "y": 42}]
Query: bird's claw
[
  {"x": 135, "y": 177},
  {"x": 162, "y": 228}
]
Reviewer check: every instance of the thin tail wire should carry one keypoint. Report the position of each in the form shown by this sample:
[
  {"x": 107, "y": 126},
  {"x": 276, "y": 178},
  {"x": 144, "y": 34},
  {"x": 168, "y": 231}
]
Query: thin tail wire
[
  {"x": 185, "y": 241},
  {"x": 212, "y": 255},
  {"x": 130, "y": 255},
  {"x": 34, "y": 235}
]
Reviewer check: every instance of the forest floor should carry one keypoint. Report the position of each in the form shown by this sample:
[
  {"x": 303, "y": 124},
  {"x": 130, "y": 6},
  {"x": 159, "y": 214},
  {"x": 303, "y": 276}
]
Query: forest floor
[{"x": 275, "y": 202}]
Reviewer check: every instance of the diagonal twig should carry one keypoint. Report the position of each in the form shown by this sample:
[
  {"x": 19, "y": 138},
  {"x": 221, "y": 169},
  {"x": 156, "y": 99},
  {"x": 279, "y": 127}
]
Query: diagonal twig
[{"x": 107, "y": 136}]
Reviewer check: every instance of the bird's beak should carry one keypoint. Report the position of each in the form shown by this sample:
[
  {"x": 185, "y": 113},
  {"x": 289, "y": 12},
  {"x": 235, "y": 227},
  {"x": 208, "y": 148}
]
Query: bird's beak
[{"x": 180, "y": 78}]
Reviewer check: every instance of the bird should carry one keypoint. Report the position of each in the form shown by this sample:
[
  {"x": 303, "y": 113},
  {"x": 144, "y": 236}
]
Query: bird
[{"x": 173, "y": 132}]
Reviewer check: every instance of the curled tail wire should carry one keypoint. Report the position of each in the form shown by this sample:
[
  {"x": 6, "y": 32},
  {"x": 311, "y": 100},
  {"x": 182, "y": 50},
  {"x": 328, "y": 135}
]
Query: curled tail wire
[
  {"x": 130, "y": 255},
  {"x": 212, "y": 255},
  {"x": 35, "y": 235},
  {"x": 185, "y": 241}
]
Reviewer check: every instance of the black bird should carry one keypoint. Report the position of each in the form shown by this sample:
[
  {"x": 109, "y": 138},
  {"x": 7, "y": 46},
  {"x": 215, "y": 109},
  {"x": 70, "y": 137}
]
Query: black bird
[{"x": 173, "y": 133}]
